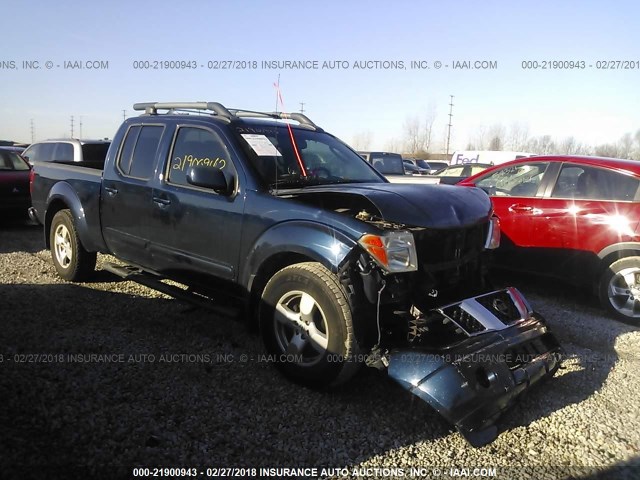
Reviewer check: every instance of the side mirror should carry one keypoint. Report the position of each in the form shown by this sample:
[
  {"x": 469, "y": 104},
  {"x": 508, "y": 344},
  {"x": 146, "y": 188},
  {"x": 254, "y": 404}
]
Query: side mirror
[{"x": 211, "y": 178}]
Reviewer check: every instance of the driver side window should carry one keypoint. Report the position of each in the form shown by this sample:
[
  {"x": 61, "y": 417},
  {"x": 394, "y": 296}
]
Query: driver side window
[
  {"x": 520, "y": 180},
  {"x": 196, "y": 147}
]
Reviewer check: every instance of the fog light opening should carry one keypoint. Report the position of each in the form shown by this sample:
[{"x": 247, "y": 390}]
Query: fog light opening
[{"x": 483, "y": 378}]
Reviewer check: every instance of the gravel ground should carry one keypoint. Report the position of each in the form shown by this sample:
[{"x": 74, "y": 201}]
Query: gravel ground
[{"x": 173, "y": 389}]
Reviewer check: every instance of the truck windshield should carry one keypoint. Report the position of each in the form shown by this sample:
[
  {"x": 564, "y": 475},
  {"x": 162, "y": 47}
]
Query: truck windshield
[{"x": 325, "y": 159}]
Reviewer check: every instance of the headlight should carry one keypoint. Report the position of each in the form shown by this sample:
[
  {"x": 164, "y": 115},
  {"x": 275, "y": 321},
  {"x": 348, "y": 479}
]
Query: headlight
[
  {"x": 493, "y": 237},
  {"x": 395, "y": 252}
]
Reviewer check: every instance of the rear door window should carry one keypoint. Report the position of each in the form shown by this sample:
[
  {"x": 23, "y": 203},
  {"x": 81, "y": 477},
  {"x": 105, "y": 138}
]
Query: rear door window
[
  {"x": 583, "y": 182},
  {"x": 138, "y": 155},
  {"x": 63, "y": 152}
]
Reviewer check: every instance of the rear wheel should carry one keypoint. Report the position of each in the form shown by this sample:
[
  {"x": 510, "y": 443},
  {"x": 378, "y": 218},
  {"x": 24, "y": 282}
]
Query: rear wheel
[
  {"x": 306, "y": 325},
  {"x": 70, "y": 258},
  {"x": 619, "y": 289}
]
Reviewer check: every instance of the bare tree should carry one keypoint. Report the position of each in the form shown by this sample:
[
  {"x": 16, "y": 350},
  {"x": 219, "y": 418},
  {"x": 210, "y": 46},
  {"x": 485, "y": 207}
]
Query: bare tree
[
  {"x": 606, "y": 150},
  {"x": 625, "y": 146},
  {"x": 362, "y": 140},
  {"x": 413, "y": 140},
  {"x": 547, "y": 145},
  {"x": 518, "y": 136},
  {"x": 427, "y": 129},
  {"x": 393, "y": 145},
  {"x": 583, "y": 149},
  {"x": 496, "y": 137},
  {"x": 542, "y": 145},
  {"x": 636, "y": 143},
  {"x": 480, "y": 138},
  {"x": 568, "y": 146}
]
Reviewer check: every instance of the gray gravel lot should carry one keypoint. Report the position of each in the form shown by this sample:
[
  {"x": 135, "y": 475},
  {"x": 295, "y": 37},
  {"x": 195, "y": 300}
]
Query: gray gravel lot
[{"x": 172, "y": 389}]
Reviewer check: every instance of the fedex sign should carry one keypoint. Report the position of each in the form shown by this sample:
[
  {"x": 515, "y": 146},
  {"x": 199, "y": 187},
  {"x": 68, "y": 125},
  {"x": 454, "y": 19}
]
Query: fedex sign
[{"x": 460, "y": 158}]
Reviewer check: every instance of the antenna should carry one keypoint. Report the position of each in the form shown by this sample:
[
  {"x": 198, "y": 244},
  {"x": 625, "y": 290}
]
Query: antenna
[
  {"x": 277, "y": 85},
  {"x": 450, "y": 123}
]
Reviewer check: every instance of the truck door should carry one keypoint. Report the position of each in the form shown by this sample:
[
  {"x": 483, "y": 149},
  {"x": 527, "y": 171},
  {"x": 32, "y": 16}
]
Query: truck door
[
  {"x": 199, "y": 230},
  {"x": 126, "y": 200}
]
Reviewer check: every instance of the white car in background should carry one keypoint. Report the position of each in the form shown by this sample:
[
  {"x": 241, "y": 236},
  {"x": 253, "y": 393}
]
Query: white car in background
[{"x": 491, "y": 157}]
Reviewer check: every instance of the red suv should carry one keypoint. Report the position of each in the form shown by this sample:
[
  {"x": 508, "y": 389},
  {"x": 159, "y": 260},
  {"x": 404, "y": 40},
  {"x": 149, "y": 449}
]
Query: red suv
[{"x": 572, "y": 217}]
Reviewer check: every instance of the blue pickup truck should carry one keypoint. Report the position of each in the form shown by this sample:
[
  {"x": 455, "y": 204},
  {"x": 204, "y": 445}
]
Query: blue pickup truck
[{"x": 337, "y": 266}]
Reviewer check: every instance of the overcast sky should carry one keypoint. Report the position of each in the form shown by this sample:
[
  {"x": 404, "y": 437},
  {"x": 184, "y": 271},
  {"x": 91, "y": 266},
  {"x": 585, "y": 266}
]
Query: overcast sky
[{"x": 592, "y": 104}]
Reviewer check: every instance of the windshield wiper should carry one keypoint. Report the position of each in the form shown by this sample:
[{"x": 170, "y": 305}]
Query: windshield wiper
[{"x": 295, "y": 180}]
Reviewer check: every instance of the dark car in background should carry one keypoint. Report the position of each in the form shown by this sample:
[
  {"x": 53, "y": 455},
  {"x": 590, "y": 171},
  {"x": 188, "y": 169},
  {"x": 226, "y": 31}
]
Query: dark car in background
[
  {"x": 412, "y": 168},
  {"x": 14, "y": 148},
  {"x": 435, "y": 165},
  {"x": 72, "y": 151},
  {"x": 571, "y": 217},
  {"x": 387, "y": 163},
  {"x": 15, "y": 198}
]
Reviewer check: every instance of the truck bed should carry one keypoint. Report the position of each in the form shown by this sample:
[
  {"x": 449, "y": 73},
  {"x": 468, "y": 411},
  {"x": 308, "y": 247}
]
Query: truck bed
[{"x": 79, "y": 185}]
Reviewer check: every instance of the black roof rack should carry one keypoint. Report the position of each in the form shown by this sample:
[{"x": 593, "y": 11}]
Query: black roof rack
[{"x": 151, "y": 108}]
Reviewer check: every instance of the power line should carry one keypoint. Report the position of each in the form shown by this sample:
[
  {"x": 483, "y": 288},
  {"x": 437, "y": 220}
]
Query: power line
[{"x": 450, "y": 122}]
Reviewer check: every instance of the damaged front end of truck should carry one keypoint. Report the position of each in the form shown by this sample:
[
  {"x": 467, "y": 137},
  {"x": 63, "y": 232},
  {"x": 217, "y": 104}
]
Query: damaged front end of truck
[{"x": 441, "y": 331}]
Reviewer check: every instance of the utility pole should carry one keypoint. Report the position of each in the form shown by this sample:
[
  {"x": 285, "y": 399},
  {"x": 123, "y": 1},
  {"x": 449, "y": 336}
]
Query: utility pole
[
  {"x": 33, "y": 132},
  {"x": 301, "y": 107},
  {"x": 450, "y": 124},
  {"x": 80, "y": 135},
  {"x": 124, "y": 115},
  {"x": 71, "y": 126}
]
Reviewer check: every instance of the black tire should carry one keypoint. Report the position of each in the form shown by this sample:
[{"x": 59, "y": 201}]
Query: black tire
[
  {"x": 299, "y": 349},
  {"x": 70, "y": 258},
  {"x": 619, "y": 290}
]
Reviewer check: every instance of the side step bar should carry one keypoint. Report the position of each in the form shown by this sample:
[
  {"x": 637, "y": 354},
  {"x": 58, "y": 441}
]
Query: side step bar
[{"x": 135, "y": 274}]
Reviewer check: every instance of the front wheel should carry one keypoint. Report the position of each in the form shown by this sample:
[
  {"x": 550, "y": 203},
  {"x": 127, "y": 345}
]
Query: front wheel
[
  {"x": 619, "y": 289},
  {"x": 306, "y": 325},
  {"x": 70, "y": 258}
]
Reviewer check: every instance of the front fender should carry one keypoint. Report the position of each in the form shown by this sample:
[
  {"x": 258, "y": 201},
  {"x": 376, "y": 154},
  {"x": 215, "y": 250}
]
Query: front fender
[
  {"x": 85, "y": 214},
  {"x": 317, "y": 241}
]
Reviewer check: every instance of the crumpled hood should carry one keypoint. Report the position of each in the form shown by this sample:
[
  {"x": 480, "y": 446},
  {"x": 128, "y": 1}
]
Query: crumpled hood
[{"x": 433, "y": 206}]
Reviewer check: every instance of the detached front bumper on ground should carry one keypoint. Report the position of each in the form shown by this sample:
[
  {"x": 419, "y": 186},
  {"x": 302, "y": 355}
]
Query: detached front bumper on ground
[{"x": 508, "y": 350}]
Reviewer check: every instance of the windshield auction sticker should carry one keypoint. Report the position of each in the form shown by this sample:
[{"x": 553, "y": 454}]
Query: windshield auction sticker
[{"x": 261, "y": 145}]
